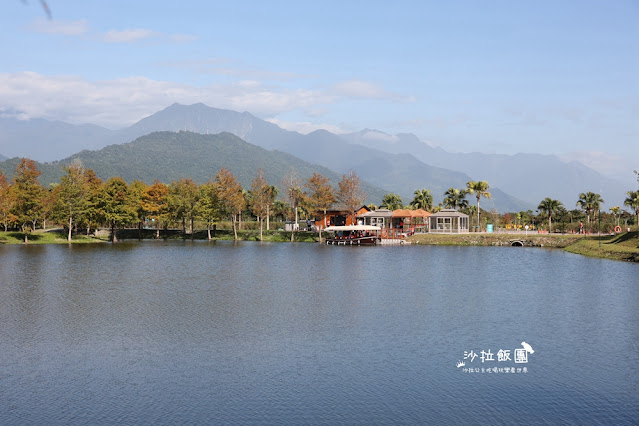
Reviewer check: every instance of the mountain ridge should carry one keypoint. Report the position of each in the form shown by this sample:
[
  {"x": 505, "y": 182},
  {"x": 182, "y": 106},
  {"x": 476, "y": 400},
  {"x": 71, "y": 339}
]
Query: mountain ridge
[{"x": 403, "y": 162}]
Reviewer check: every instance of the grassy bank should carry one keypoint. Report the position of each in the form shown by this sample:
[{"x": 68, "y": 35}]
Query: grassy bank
[
  {"x": 54, "y": 236},
  {"x": 623, "y": 246}
]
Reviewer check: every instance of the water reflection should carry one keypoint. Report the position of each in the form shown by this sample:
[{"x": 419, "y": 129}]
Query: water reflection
[{"x": 190, "y": 332}]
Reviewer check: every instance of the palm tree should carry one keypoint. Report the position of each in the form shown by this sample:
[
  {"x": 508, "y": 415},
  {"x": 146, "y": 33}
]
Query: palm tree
[
  {"x": 549, "y": 207},
  {"x": 423, "y": 199},
  {"x": 615, "y": 212},
  {"x": 632, "y": 201},
  {"x": 392, "y": 202},
  {"x": 480, "y": 189},
  {"x": 589, "y": 202},
  {"x": 455, "y": 198}
]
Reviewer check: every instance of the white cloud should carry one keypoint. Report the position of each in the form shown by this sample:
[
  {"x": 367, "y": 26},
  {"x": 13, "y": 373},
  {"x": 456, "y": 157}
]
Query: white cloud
[
  {"x": 365, "y": 90},
  {"x": 137, "y": 34},
  {"x": 119, "y": 102},
  {"x": 305, "y": 127},
  {"x": 127, "y": 36},
  {"x": 70, "y": 28}
]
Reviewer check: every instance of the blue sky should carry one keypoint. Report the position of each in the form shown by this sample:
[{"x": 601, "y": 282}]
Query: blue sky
[{"x": 552, "y": 77}]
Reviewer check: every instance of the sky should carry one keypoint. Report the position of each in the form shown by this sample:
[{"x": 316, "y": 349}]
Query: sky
[{"x": 549, "y": 77}]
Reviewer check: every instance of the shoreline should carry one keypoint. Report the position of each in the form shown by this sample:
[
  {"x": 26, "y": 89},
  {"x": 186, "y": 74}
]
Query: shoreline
[{"x": 623, "y": 246}]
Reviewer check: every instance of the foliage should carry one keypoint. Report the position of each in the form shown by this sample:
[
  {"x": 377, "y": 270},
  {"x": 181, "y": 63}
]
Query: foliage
[
  {"x": 154, "y": 203},
  {"x": 455, "y": 198},
  {"x": 549, "y": 207},
  {"x": 349, "y": 192},
  {"x": 632, "y": 201},
  {"x": 6, "y": 202},
  {"x": 71, "y": 197},
  {"x": 480, "y": 189},
  {"x": 392, "y": 201},
  {"x": 423, "y": 199},
  {"x": 589, "y": 202},
  {"x": 208, "y": 204},
  {"x": 115, "y": 205},
  {"x": 260, "y": 198},
  {"x": 27, "y": 195},
  {"x": 230, "y": 195},
  {"x": 181, "y": 201}
]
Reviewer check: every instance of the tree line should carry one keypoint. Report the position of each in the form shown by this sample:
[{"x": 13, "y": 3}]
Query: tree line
[{"x": 81, "y": 200}]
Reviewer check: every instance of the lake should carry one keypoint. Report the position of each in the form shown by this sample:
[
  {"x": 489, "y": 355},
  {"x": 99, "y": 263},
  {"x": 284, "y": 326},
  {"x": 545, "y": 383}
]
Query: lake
[{"x": 246, "y": 333}]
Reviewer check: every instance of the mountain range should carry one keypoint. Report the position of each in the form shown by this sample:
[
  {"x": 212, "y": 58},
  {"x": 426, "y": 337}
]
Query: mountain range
[{"x": 395, "y": 163}]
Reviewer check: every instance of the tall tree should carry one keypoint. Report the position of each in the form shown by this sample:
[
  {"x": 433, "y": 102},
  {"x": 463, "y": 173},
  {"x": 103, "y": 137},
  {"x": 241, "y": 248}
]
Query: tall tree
[
  {"x": 208, "y": 205},
  {"x": 589, "y": 202},
  {"x": 6, "y": 202},
  {"x": 182, "y": 200},
  {"x": 136, "y": 192},
  {"x": 321, "y": 196},
  {"x": 27, "y": 195},
  {"x": 455, "y": 198},
  {"x": 349, "y": 193},
  {"x": 92, "y": 214},
  {"x": 423, "y": 199},
  {"x": 154, "y": 204},
  {"x": 615, "y": 212},
  {"x": 392, "y": 201},
  {"x": 549, "y": 207},
  {"x": 293, "y": 188},
  {"x": 260, "y": 199},
  {"x": 480, "y": 189},
  {"x": 230, "y": 194},
  {"x": 71, "y": 196},
  {"x": 115, "y": 205},
  {"x": 272, "y": 195},
  {"x": 632, "y": 201}
]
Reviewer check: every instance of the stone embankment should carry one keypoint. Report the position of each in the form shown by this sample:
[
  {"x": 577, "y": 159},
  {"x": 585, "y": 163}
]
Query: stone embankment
[{"x": 477, "y": 239}]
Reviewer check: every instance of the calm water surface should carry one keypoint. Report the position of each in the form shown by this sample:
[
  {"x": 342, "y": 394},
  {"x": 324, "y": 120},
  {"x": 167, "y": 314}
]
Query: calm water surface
[{"x": 223, "y": 333}]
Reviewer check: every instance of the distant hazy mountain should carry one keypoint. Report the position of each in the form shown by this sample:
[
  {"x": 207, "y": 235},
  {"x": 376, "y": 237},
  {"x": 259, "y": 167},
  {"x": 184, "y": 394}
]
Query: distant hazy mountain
[
  {"x": 531, "y": 176},
  {"x": 167, "y": 156},
  {"x": 2, "y": 157},
  {"x": 400, "y": 163},
  {"x": 45, "y": 140}
]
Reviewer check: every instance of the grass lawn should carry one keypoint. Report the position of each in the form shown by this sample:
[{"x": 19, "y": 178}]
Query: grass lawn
[
  {"x": 624, "y": 246},
  {"x": 53, "y": 236}
]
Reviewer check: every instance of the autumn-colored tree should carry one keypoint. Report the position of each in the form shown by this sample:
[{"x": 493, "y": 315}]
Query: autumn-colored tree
[
  {"x": 182, "y": 200},
  {"x": 260, "y": 199},
  {"x": 71, "y": 197},
  {"x": 27, "y": 196},
  {"x": 272, "y": 195},
  {"x": 6, "y": 202},
  {"x": 136, "y": 192},
  {"x": 208, "y": 205},
  {"x": 293, "y": 189},
  {"x": 115, "y": 205},
  {"x": 349, "y": 193},
  {"x": 321, "y": 196},
  {"x": 154, "y": 204},
  {"x": 94, "y": 188},
  {"x": 230, "y": 195}
]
